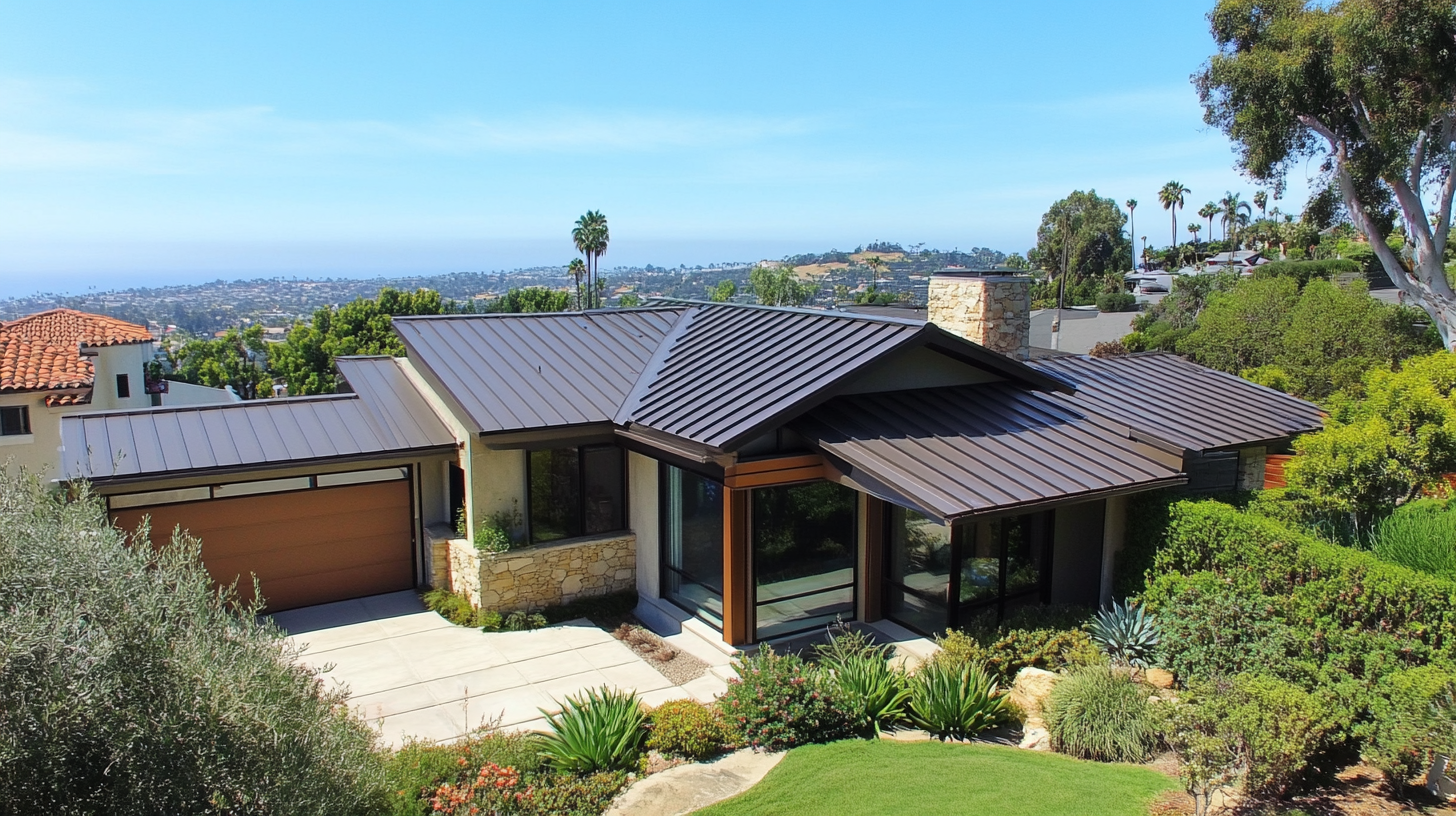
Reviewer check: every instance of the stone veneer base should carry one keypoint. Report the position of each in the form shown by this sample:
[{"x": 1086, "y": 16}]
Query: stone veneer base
[{"x": 536, "y": 577}]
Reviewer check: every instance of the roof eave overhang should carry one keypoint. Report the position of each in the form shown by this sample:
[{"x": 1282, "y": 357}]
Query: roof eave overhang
[{"x": 253, "y": 468}]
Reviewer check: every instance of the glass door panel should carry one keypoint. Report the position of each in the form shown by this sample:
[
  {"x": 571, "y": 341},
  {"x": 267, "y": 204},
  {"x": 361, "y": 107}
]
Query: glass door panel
[
  {"x": 805, "y": 539},
  {"x": 918, "y": 571},
  {"x": 692, "y": 541}
]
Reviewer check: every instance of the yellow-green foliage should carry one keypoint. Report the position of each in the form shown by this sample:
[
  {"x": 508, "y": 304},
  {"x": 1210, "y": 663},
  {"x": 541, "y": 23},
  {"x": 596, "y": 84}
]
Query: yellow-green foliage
[{"x": 686, "y": 728}]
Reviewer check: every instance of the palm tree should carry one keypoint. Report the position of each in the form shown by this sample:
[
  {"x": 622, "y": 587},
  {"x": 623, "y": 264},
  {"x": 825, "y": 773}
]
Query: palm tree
[
  {"x": 1208, "y": 211},
  {"x": 576, "y": 269},
  {"x": 1171, "y": 197},
  {"x": 1132, "y": 226},
  {"x": 1261, "y": 200},
  {"x": 591, "y": 238},
  {"x": 1231, "y": 207},
  {"x": 1194, "y": 229}
]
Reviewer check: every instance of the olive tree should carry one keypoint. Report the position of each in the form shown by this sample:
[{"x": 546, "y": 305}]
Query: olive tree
[
  {"x": 128, "y": 684},
  {"x": 1368, "y": 87}
]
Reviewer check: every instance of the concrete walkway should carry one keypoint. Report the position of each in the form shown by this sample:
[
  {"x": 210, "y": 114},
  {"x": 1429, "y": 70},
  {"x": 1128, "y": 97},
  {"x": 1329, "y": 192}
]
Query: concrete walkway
[
  {"x": 414, "y": 674},
  {"x": 687, "y": 788}
]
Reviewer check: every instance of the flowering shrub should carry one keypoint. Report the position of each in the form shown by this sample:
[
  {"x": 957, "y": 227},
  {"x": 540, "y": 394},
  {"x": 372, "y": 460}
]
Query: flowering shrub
[
  {"x": 494, "y": 790},
  {"x": 778, "y": 702},
  {"x": 501, "y": 791}
]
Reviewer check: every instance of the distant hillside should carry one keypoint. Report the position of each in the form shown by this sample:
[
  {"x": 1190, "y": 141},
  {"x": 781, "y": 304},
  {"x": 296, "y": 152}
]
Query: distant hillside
[{"x": 205, "y": 308}]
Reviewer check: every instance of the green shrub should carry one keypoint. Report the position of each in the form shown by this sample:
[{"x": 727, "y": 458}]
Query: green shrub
[
  {"x": 1102, "y": 714},
  {"x": 502, "y": 791},
  {"x": 956, "y": 702},
  {"x": 867, "y": 689},
  {"x": 129, "y": 684},
  {"x": 1420, "y": 535},
  {"x": 1126, "y": 633},
  {"x": 1305, "y": 271},
  {"x": 1277, "y": 729},
  {"x": 1116, "y": 302},
  {"x": 1050, "y": 640},
  {"x": 416, "y": 771},
  {"x": 457, "y": 609},
  {"x": 574, "y": 795},
  {"x": 778, "y": 702},
  {"x": 601, "y": 730},
  {"x": 1212, "y": 630},
  {"x": 686, "y": 728},
  {"x": 1406, "y": 728},
  {"x": 521, "y": 621}
]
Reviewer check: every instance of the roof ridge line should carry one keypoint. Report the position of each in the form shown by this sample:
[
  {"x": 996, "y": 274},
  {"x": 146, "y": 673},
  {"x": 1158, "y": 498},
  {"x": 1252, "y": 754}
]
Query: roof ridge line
[
  {"x": 653, "y": 368},
  {"x": 212, "y": 406},
  {"x": 519, "y": 315}
]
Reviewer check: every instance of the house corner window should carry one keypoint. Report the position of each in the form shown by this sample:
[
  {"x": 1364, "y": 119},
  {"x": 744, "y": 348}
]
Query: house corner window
[
  {"x": 692, "y": 542},
  {"x": 575, "y": 492},
  {"x": 14, "y": 420},
  {"x": 123, "y": 386}
]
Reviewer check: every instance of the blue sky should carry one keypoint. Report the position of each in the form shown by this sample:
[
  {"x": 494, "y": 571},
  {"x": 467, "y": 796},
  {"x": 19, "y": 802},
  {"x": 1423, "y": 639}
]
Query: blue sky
[{"x": 145, "y": 142}]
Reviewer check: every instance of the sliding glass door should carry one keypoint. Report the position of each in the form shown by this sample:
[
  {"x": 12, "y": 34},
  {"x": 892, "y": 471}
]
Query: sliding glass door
[
  {"x": 692, "y": 543},
  {"x": 939, "y": 577},
  {"x": 805, "y": 540}
]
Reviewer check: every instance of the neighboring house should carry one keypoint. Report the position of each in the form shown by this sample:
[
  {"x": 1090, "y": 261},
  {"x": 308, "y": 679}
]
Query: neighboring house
[
  {"x": 64, "y": 362},
  {"x": 754, "y": 472}
]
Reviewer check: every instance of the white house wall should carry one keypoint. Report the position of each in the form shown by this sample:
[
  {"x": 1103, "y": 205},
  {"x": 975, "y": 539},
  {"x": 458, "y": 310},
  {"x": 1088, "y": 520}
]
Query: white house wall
[
  {"x": 642, "y": 497},
  {"x": 131, "y": 360},
  {"x": 181, "y": 393}
]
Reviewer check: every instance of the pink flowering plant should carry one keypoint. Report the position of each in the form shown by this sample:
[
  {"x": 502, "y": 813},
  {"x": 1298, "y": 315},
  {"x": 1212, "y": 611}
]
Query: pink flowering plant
[{"x": 778, "y": 702}]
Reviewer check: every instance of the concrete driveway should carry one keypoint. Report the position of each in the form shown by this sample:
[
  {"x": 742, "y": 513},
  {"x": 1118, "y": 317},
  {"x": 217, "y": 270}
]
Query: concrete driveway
[{"x": 412, "y": 673}]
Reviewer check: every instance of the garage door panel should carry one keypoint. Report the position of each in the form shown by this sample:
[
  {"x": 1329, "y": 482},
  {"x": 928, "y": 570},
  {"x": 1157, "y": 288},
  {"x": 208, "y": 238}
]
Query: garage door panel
[{"x": 305, "y": 547}]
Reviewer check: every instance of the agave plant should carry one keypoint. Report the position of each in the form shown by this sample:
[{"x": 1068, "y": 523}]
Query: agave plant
[
  {"x": 867, "y": 688},
  {"x": 956, "y": 700},
  {"x": 1126, "y": 633},
  {"x": 602, "y": 730}
]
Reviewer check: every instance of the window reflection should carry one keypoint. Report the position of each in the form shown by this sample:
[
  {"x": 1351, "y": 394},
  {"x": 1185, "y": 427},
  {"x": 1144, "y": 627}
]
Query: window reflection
[{"x": 692, "y": 515}]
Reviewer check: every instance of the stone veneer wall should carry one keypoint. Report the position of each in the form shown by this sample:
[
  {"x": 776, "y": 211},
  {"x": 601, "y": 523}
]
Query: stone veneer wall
[
  {"x": 536, "y": 577},
  {"x": 992, "y": 311}
]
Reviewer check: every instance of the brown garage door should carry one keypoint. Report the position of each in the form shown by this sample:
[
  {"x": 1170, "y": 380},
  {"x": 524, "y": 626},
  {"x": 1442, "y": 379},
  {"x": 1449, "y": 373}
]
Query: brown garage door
[{"x": 307, "y": 547}]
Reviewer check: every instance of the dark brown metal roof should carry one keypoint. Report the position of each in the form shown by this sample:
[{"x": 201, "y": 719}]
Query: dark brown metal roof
[
  {"x": 1183, "y": 403},
  {"x": 727, "y": 373},
  {"x": 394, "y": 400},
  {"x": 960, "y": 451},
  {"x": 516, "y": 372},
  {"x": 108, "y": 445}
]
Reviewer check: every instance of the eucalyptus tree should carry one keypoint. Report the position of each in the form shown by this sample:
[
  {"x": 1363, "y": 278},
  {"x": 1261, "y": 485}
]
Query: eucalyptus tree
[
  {"x": 1364, "y": 90},
  {"x": 1171, "y": 197}
]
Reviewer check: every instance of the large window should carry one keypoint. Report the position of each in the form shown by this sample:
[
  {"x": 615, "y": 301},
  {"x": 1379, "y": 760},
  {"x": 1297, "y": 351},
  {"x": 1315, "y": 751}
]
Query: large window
[
  {"x": 805, "y": 538},
  {"x": 937, "y": 577},
  {"x": 575, "y": 492},
  {"x": 692, "y": 543},
  {"x": 14, "y": 420}
]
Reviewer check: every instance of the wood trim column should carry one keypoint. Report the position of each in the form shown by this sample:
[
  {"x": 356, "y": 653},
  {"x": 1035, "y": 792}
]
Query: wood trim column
[
  {"x": 737, "y": 592},
  {"x": 871, "y": 579}
]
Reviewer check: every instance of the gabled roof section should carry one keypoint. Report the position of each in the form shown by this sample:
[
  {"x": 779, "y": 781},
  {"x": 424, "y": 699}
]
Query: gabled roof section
[
  {"x": 195, "y": 439},
  {"x": 965, "y": 450},
  {"x": 42, "y": 352},
  {"x": 727, "y": 373},
  {"x": 394, "y": 400},
  {"x": 1168, "y": 398},
  {"x": 527, "y": 371}
]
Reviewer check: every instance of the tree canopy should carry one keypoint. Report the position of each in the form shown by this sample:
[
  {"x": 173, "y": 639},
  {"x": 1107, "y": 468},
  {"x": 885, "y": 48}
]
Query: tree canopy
[
  {"x": 1368, "y": 87},
  {"x": 236, "y": 359},
  {"x": 779, "y": 287},
  {"x": 1097, "y": 245}
]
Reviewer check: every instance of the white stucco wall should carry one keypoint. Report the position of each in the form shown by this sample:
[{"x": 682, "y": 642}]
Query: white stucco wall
[
  {"x": 181, "y": 393},
  {"x": 39, "y": 450},
  {"x": 112, "y": 360},
  {"x": 642, "y": 499}
]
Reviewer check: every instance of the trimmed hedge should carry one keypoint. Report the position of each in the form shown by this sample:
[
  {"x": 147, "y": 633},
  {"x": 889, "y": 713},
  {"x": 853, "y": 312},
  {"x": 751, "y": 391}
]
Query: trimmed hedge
[
  {"x": 1325, "y": 587},
  {"x": 1305, "y": 271}
]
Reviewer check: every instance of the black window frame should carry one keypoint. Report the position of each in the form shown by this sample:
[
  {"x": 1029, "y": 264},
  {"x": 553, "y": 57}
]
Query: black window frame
[
  {"x": 959, "y": 613},
  {"x": 123, "y": 386},
  {"x": 663, "y": 566},
  {"x": 852, "y": 586},
  {"x": 23, "y": 412},
  {"x": 626, "y": 520}
]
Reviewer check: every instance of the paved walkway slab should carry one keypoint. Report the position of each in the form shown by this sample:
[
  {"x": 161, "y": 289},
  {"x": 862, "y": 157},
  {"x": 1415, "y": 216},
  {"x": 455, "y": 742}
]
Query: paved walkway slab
[
  {"x": 687, "y": 788},
  {"x": 412, "y": 673}
]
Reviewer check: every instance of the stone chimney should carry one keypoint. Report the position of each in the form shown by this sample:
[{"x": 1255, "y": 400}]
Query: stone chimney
[{"x": 991, "y": 309}]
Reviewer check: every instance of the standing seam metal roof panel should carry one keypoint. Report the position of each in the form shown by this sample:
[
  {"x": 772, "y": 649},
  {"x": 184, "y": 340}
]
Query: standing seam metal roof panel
[
  {"x": 517, "y": 372},
  {"x": 394, "y": 400},
  {"x": 1188, "y": 405},
  {"x": 189, "y": 439},
  {"x": 969, "y": 449}
]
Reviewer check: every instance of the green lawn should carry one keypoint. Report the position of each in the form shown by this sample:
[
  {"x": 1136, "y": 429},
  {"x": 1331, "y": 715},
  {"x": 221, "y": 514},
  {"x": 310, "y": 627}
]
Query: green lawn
[{"x": 875, "y": 778}]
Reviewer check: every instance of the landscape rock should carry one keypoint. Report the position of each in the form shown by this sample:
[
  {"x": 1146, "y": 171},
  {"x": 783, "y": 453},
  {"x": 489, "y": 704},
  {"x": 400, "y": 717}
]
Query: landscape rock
[
  {"x": 1035, "y": 739},
  {"x": 1029, "y": 692},
  {"x": 1159, "y": 678}
]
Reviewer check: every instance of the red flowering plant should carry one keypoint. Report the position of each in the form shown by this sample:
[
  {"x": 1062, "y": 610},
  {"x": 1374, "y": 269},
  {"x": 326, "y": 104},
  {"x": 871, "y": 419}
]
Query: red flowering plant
[
  {"x": 778, "y": 702},
  {"x": 494, "y": 791}
]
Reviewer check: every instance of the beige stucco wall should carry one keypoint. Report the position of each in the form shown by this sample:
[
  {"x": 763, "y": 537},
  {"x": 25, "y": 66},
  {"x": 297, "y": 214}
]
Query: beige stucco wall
[
  {"x": 112, "y": 360},
  {"x": 537, "y": 577},
  {"x": 642, "y": 473},
  {"x": 994, "y": 311},
  {"x": 39, "y": 450}
]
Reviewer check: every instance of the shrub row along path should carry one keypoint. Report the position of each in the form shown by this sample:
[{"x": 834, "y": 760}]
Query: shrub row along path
[{"x": 411, "y": 673}]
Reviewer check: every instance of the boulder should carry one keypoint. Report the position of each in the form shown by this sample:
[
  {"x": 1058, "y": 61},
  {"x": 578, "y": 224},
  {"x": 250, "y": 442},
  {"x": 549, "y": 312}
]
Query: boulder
[
  {"x": 1029, "y": 692},
  {"x": 1035, "y": 739},
  {"x": 1159, "y": 678}
]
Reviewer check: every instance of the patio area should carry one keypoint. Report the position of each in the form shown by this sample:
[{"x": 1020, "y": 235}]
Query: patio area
[{"x": 411, "y": 673}]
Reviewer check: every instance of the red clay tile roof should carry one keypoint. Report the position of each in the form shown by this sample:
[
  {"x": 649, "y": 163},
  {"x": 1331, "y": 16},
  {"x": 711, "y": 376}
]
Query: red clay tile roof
[
  {"x": 43, "y": 351},
  {"x": 52, "y": 400}
]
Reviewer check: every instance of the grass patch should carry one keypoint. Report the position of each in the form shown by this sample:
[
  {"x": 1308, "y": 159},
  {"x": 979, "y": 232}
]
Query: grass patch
[{"x": 929, "y": 778}]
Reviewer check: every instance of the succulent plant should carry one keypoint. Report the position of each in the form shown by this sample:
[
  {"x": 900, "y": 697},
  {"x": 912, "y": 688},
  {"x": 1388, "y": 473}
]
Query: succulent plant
[{"x": 1126, "y": 633}]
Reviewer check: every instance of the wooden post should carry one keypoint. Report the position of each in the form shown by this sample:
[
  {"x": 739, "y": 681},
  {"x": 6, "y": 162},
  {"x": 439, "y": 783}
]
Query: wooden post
[
  {"x": 872, "y": 539},
  {"x": 737, "y": 591}
]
